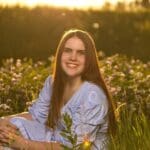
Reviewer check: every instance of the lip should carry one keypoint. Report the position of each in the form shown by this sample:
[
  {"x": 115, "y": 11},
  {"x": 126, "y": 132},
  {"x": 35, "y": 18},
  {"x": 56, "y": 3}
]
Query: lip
[{"x": 72, "y": 65}]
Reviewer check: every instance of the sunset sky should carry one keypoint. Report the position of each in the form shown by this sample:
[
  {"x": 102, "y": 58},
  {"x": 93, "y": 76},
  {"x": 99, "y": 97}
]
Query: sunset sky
[{"x": 62, "y": 3}]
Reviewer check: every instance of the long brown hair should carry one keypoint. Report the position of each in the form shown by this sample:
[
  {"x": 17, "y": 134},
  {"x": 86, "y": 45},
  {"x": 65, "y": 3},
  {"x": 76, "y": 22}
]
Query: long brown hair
[{"x": 91, "y": 73}]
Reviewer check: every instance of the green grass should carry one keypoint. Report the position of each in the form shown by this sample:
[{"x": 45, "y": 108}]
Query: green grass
[{"x": 128, "y": 81}]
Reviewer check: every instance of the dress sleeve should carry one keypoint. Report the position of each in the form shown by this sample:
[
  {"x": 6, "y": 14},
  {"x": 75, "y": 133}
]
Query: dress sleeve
[
  {"x": 39, "y": 109},
  {"x": 90, "y": 115}
]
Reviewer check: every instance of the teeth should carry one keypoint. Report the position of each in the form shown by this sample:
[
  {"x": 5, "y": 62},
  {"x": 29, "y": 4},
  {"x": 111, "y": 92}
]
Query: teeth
[{"x": 72, "y": 65}]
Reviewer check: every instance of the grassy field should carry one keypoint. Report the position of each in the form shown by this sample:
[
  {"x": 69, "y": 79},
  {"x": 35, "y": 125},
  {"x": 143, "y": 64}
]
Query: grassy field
[{"x": 128, "y": 81}]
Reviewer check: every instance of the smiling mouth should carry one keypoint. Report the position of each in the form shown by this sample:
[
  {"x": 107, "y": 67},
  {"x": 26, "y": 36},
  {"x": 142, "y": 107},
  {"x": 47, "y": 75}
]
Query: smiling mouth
[{"x": 70, "y": 65}]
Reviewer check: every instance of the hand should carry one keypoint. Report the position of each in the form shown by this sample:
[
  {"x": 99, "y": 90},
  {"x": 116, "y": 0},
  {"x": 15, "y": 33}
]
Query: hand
[
  {"x": 5, "y": 122},
  {"x": 11, "y": 137}
]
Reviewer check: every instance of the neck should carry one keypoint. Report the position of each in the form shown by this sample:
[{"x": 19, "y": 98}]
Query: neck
[
  {"x": 72, "y": 85},
  {"x": 74, "y": 82}
]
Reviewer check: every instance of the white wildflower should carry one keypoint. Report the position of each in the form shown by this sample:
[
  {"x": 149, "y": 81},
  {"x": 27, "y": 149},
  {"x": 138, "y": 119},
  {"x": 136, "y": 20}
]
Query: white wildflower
[
  {"x": 51, "y": 58},
  {"x": 35, "y": 78},
  {"x": 95, "y": 25},
  {"x": 139, "y": 74},
  {"x": 18, "y": 63},
  {"x": 4, "y": 107},
  {"x": 131, "y": 71},
  {"x": 122, "y": 74}
]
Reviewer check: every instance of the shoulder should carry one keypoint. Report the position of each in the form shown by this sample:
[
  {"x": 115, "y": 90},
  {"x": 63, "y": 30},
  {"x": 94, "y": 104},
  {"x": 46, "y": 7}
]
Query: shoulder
[
  {"x": 95, "y": 94},
  {"x": 47, "y": 85},
  {"x": 48, "y": 81}
]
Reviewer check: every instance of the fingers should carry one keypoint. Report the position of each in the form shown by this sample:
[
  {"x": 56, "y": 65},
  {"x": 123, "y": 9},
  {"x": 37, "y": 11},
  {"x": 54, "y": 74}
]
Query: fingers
[
  {"x": 7, "y": 133},
  {"x": 5, "y": 122},
  {"x": 7, "y": 130},
  {"x": 7, "y": 138},
  {"x": 4, "y": 135},
  {"x": 11, "y": 126}
]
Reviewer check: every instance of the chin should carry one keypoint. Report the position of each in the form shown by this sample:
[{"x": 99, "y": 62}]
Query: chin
[{"x": 73, "y": 75}]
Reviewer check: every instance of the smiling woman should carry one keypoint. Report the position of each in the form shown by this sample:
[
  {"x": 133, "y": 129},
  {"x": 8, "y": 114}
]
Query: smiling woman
[
  {"x": 84, "y": 4},
  {"x": 76, "y": 88}
]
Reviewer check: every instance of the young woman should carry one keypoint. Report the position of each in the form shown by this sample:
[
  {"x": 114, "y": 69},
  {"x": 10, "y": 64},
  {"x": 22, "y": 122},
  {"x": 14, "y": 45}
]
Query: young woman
[{"x": 76, "y": 88}]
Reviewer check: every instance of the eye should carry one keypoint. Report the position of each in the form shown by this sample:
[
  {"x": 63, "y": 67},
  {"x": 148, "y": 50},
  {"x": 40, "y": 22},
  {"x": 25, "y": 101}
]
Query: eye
[
  {"x": 81, "y": 52},
  {"x": 67, "y": 50}
]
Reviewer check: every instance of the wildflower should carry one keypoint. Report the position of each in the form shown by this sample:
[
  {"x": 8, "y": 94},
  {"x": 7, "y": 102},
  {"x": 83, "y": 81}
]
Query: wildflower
[
  {"x": 138, "y": 67},
  {"x": 116, "y": 67},
  {"x": 131, "y": 71},
  {"x": 109, "y": 62},
  {"x": 132, "y": 61},
  {"x": 95, "y": 25},
  {"x": 148, "y": 76},
  {"x": 18, "y": 63},
  {"x": 102, "y": 70},
  {"x": 29, "y": 103},
  {"x": 118, "y": 89},
  {"x": 40, "y": 63},
  {"x": 101, "y": 54},
  {"x": 122, "y": 74},
  {"x": 8, "y": 100},
  {"x": 86, "y": 143},
  {"x": 145, "y": 66},
  {"x": 139, "y": 74},
  {"x": 4, "y": 107},
  {"x": 1, "y": 80},
  {"x": 51, "y": 58},
  {"x": 35, "y": 78},
  {"x": 112, "y": 89},
  {"x": 29, "y": 66},
  {"x": 18, "y": 76},
  {"x": 13, "y": 80},
  {"x": 12, "y": 68},
  {"x": 132, "y": 107},
  {"x": 11, "y": 60},
  {"x": 63, "y": 14}
]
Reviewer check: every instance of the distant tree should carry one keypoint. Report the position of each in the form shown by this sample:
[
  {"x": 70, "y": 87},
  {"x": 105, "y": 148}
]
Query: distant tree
[
  {"x": 107, "y": 6},
  {"x": 146, "y": 3},
  {"x": 143, "y": 3},
  {"x": 121, "y": 6}
]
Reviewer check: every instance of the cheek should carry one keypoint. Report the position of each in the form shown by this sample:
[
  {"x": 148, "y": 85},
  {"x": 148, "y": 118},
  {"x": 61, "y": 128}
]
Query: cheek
[
  {"x": 84, "y": 63},
  {"x": 83, "y": 60},
  {"x": 64, "y": 57},
  {"x": 63, "y": 60}
]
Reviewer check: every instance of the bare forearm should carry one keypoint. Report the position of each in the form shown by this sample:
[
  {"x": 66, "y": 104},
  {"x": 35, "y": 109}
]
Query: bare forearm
[
  {"x": 26, "y": 115},
  {"x": 30, "y": 145},
  {"x": 44, "y": 145}
]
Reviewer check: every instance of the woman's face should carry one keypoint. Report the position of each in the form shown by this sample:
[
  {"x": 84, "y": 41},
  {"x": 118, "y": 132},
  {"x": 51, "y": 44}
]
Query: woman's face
[{"x": 73, "y": 57}]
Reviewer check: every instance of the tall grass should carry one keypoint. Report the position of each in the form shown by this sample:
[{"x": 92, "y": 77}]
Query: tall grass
[
  {"x": 132, "y": 134},
  {"x": 128, "y": 81}
]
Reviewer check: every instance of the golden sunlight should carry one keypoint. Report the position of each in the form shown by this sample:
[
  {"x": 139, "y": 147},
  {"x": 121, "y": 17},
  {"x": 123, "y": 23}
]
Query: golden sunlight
[{"x": 81, "y": 4}]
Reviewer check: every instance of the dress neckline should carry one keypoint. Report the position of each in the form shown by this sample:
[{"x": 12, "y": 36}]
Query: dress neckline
[{"x": 75, "y": 94}]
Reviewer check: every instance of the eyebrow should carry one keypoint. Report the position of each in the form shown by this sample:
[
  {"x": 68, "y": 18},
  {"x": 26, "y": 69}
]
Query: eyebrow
[{"x": 72, "y": 49}]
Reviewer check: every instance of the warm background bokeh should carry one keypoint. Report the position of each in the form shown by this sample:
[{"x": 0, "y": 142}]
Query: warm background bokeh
[{"x": 35, "y": 32}]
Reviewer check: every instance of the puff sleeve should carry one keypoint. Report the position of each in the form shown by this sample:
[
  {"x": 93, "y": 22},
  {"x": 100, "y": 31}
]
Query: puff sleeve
[
  {"x": 90, "y": 116},
  {"x": 39, "y": 109}
]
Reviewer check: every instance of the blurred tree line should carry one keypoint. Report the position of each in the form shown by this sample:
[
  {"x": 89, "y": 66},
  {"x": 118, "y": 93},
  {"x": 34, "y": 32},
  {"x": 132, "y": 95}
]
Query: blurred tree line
[{"x": 36, "y": 32}]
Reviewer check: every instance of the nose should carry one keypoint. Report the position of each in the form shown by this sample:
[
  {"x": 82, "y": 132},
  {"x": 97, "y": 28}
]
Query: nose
[{"x": 73, "y": 56}]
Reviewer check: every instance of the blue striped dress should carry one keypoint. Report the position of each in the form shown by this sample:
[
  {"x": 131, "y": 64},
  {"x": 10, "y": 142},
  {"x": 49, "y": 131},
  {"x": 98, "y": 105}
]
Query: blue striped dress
[{"x": 88, "y": 108}]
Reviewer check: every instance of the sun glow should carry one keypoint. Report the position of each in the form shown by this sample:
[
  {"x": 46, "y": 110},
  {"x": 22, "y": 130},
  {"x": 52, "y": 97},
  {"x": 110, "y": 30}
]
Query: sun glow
[{"x": 60, "y": 3}]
